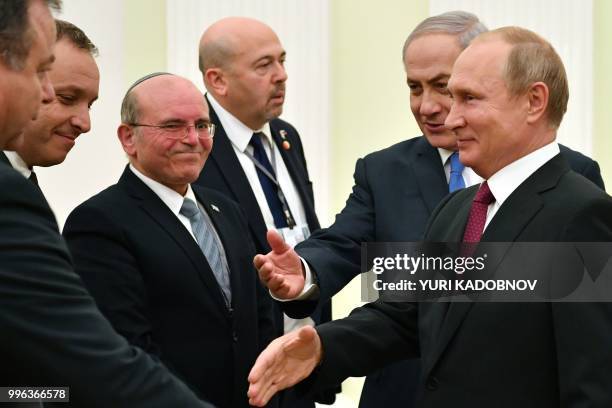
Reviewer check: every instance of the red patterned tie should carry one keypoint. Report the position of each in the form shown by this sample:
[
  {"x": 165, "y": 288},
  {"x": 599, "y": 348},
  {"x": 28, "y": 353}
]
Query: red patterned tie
[{"x": 478, "y": 214}]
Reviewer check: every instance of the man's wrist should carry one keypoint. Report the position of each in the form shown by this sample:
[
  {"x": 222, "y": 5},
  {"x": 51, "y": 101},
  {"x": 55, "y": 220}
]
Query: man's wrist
[{"x": 310, "y": 289}]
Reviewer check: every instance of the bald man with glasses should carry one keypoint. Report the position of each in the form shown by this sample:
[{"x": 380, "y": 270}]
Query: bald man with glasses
[{"x": 168, "y": 263}]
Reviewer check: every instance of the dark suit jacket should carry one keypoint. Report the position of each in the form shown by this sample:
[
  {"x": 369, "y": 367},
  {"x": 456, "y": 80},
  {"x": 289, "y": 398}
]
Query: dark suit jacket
[
  {"x": 496, "y": 354},
  {"x": 395, "y": 193},
  {"x": 152, "y": 281},
  {"x": 51, "y": 331},
  {"x": 224, "y": 173}
]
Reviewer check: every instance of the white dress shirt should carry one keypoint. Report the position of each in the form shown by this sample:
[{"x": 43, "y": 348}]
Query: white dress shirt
[
  {"x": 505, "y": 181},
  {"x": 18, "y": 163}
]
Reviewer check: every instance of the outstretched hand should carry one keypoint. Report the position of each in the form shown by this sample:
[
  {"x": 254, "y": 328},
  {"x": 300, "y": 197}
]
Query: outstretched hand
[
  {"x": 285, "y": 362},
  {"x": 281, "y": 268}
]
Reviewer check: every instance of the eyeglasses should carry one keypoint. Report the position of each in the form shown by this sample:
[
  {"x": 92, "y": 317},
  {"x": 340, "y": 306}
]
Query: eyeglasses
[{"x": 178, "y": 131}]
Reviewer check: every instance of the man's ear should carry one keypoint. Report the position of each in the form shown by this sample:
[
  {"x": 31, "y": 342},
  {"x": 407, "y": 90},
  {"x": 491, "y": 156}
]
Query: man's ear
[
  {"x": 537, "y": 95},
  {"x": 215, "y": 80},
  {"x": 126, "y": 136}
]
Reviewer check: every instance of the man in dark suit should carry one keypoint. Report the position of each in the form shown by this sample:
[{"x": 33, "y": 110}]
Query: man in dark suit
[
  {"x": 75, "y": 79},
  {"x": 52, "y": 332},
  {"x": 258, "y": 159},
  {"x": 172, "y": 276},
  {"x": 510, "y": 93},
  {"x": 387, "y": 207}
]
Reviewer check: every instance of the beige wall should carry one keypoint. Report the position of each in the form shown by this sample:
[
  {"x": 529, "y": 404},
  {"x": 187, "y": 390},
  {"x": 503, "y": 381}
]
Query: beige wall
[
  {"x": 602, "y": 89},
  {"x": 144, "y": 26},
  {"x": 370, "y": 104}
]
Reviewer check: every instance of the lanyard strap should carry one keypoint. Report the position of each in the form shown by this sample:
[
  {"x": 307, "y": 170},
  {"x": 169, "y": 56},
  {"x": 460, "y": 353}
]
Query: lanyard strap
[{"x": 279, "y": 191}]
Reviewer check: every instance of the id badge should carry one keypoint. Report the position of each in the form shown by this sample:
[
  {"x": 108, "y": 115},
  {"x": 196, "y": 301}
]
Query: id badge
[{"x": 295, "y": 235}]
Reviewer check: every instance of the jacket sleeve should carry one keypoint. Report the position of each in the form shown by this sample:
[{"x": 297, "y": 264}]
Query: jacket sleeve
[
  {"x": 334, "y": 253},
  {"x": 52, "y": 332}
]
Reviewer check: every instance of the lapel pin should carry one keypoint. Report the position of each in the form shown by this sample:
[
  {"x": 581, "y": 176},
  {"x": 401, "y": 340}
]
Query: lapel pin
[
  {"x": 283, "y": 134},
  {"x": 214, "y": 207}
]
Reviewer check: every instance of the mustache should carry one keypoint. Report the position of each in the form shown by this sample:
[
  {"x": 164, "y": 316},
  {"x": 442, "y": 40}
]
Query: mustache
[{"x": 278, "y": 89}]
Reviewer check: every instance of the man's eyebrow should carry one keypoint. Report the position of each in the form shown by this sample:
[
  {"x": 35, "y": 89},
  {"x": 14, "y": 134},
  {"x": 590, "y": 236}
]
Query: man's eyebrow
[{"x": 439, "y": 77}]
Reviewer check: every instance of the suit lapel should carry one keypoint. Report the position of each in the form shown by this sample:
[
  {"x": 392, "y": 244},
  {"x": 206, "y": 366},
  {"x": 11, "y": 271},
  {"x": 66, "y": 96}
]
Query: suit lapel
[
  {"x": 292, "y": 162},
  {"x": 161, "y": 214},
  {"x": 230, "y": 168},
  {"x": 427, "y": 167},
  {"x": 4, "y": 159}
]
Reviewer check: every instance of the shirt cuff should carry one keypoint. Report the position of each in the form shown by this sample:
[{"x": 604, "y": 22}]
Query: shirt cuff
[{"x": 309, "y": 286}]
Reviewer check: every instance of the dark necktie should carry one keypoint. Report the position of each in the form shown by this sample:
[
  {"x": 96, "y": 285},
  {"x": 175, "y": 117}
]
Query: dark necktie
[
  {"x": 455, "y": 181},
  {"x": 208, "y": 244},
  {"x": 478, "y": 214},
  {"x": 269, "y": 188},
  {"x": 33, "y": 178}
]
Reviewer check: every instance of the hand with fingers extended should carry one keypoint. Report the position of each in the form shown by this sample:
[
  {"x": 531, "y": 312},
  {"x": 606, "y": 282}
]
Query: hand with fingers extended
[
  {"x": 280, "y": 269},
  {"x": 285, "y": 362}
]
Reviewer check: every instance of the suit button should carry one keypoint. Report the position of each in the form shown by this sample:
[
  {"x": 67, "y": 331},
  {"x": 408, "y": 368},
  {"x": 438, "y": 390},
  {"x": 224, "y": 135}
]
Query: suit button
[
  {"x": 235, "y": 337},
  {"x": 432, "y": 383}
]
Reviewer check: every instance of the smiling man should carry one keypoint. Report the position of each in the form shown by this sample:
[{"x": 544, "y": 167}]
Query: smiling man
[
  {"x": 52, "y": 331},
  {"x": 75, "y": 78},
  {"x": 27, "y": 44},
  {"x": 168, "y": 262},
  {"x": 510, "y": 93},
  {"x": 396, "y": 189}
]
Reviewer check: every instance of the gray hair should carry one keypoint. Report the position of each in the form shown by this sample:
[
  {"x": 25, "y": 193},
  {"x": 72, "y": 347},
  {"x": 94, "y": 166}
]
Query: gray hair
[
  {"x": 465, "y": 26},
  {"x": 15, "y": 31}
]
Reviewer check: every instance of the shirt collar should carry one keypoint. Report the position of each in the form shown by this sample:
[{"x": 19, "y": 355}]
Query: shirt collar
[
  {"x": 171, "y": 198},
  {"x": 445, "y": 154},
  {"x": 505, "y": 181},
  {"x": 237, "y": 132},
  {"x": 18, "y": 163}
]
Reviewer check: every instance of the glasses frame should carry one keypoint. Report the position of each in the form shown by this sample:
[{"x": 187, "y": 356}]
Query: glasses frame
[{"x": 171, "y": 130}]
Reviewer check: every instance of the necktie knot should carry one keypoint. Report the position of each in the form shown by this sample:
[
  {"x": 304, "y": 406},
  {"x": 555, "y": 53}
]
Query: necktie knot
[
  {"x": 455, "y": 181},
  {"x": 33, "y": 178},
  {"x": 455, "y": 164},
  {"x": 484, "y": 194},
  {"x": 189, "y": 209},
  {"x": 256, "y": 142}
]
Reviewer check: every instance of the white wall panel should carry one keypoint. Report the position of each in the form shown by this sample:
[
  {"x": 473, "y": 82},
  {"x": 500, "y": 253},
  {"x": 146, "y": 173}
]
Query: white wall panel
[
  {"x": 567, "y": 24},
  {"x": 303, "y": 28},
  {"x": 97, "y": 160}
]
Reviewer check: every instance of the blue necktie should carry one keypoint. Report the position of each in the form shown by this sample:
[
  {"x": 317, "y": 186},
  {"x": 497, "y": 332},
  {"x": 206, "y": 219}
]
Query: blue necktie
[
  {"x": 269, "y": 188},
  {"x": 208, "y": 244},
  {"x": 455, "y": 181}
]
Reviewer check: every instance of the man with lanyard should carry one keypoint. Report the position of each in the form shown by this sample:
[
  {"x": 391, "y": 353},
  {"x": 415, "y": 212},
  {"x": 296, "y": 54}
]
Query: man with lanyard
[{"x": 258, "y": 159}]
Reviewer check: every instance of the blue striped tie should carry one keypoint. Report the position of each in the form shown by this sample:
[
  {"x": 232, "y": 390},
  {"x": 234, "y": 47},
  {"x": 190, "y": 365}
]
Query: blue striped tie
[
  {"x": 208, "y": 244},
  {"x": 455, "y": 181}
]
